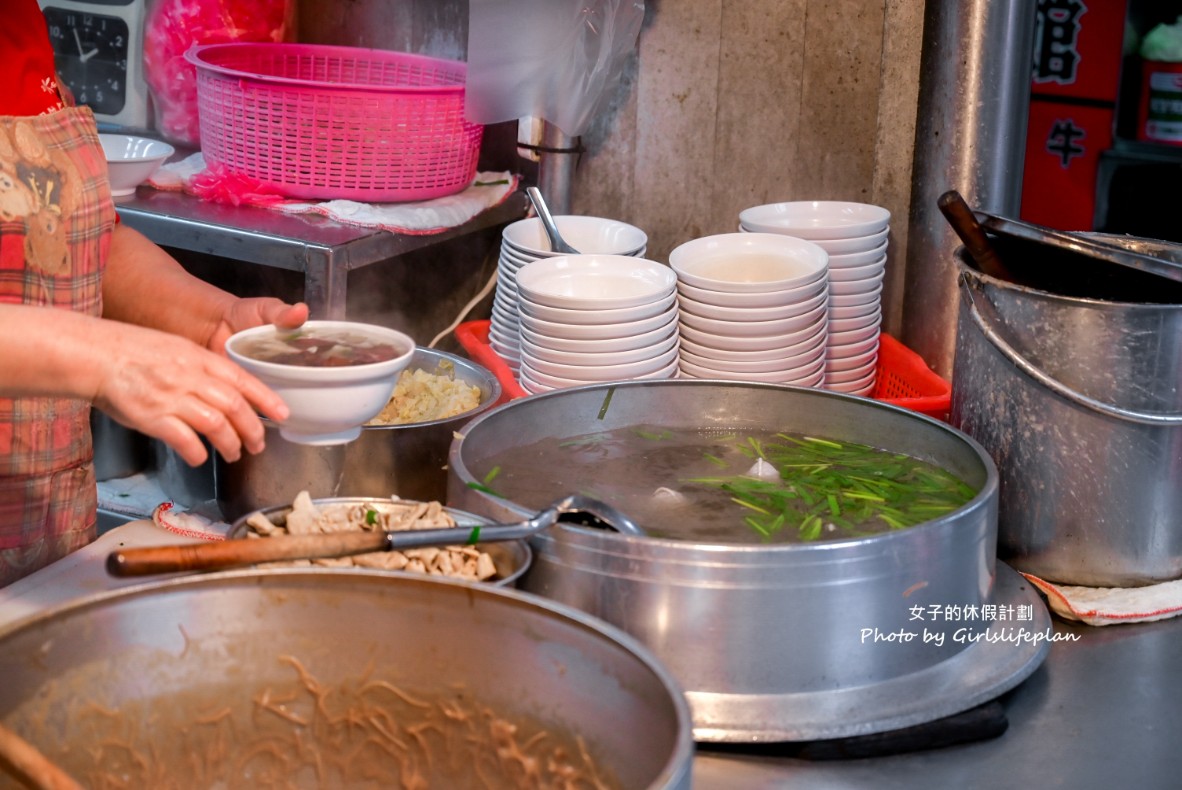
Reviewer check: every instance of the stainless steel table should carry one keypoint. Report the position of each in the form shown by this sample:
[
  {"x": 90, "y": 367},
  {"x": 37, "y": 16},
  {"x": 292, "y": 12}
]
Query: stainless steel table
[
  {"x": 324, "y": 250},
  {"x": 1102, "y": 712}
]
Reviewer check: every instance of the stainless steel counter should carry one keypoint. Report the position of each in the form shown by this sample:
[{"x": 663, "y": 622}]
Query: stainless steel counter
[
  {"x": 1102, "y": 712},
  {"x": 324, "y": 250}
]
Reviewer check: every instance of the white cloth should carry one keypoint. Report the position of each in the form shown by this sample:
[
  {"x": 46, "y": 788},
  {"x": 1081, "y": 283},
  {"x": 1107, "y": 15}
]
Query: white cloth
[
  {"x": 1111, "y": 605},
  {"x": 488, "y": 189}
]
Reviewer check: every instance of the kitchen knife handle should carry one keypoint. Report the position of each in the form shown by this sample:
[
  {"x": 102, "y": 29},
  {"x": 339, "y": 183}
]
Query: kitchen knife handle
[{"x": 245, "y": 551}]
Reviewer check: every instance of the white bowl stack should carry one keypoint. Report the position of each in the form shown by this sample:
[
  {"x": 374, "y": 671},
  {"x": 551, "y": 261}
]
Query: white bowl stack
[
  {"x": 525, "y": 241},
  {"x": 594, "y": 318},
  {"x": 753, "y": 307},
  {"x": 855, "y": 236}
]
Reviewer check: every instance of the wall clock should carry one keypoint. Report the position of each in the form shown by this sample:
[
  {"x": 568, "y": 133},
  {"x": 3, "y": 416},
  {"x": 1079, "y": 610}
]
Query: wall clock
[{"x": 98, "y": 50}]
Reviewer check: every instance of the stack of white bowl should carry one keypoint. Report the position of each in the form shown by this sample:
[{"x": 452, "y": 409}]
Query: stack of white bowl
[
  {"x": 525, "y": 241},
  {"x": 753, "y": 307},
  {"x": 594, "y": 318},
  {"x": 855, "y": 236}
]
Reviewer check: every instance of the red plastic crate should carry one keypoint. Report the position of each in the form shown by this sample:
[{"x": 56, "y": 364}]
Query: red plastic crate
[{"x": 903, "y": 379}]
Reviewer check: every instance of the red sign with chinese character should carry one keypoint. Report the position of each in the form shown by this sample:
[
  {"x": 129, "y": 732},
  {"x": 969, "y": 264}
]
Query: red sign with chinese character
[
  {"x": 1063, "y": 145},
  {"x": 1073, "y": 92}
]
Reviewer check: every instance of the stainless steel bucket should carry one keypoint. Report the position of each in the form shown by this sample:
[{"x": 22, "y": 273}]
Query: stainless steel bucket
[
  {"x": 1078, "y": 401},
  {"x": 404, "y": 460},
  {"x": 755, "y": 633},
  {"x": 198, "y": 674}
]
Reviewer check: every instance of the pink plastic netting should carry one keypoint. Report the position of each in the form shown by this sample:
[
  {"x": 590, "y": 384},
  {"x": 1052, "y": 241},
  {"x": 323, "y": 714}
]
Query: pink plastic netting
[{"x": 172, "y": 26}]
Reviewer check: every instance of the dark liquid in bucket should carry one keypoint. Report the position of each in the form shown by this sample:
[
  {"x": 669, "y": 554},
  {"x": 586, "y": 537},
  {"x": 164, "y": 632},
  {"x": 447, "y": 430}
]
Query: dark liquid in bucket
[{"x": 1078, "y": 275}]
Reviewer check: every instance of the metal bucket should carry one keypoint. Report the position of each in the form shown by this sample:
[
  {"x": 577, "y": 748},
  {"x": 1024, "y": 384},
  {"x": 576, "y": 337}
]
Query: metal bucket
[
  {"x": 1077, "y": 400},
  {"x": 404, "y": 460},
  {"x": 211, "y": 678}
]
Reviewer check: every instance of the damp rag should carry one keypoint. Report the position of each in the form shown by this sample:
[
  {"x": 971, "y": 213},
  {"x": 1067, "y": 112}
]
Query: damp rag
[
  {"x": 192, "y": 176},
  {"x": 1112, "y": 605}
]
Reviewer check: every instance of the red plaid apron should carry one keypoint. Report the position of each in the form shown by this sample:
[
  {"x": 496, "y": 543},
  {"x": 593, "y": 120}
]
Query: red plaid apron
[{"x": 56, "y": 217}]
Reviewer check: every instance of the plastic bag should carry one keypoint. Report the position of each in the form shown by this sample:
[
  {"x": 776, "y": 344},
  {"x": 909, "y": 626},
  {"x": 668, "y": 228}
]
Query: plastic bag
[
  {"x": 550, "y": 59},
  {"x": 1163, "y": 43},
  {"x": 172, "y": 26}
]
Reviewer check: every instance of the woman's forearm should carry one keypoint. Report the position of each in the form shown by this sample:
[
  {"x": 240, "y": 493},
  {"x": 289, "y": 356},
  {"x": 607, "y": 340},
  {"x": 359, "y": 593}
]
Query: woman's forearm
[
  {"x": 144, "y": 285},
  {"x": 49, "y": 352}
]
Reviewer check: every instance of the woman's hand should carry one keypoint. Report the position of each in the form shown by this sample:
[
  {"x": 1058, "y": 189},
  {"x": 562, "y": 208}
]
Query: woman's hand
[
  {"x": 246, "y": 313},
  {"x": 172, "y": 389}
]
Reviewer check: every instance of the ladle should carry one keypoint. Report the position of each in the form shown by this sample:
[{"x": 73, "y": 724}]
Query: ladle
[
  {"x": 964, "y": 222},
  {"x": 557, "y": 243},
  {"x": 24, "y": 762},
  {"x": 971, "y": 227},
  {"x": 248, "y": 551}
]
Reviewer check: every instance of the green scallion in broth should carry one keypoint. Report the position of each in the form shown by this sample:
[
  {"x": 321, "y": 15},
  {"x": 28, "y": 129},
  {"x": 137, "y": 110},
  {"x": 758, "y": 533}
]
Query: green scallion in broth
[{"x": 739, "y": 487}]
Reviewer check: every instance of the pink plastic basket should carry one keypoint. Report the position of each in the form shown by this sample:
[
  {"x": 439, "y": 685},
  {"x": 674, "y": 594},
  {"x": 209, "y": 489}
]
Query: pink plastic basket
[{"x": 320, "y": 122}]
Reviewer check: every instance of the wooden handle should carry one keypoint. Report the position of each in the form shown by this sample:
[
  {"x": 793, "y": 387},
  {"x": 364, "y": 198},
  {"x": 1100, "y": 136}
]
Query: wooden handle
[
  {"x": 964, "y": 222},
  {"x": 21, "y": 760},
  {"x": 246, "y": 551}
]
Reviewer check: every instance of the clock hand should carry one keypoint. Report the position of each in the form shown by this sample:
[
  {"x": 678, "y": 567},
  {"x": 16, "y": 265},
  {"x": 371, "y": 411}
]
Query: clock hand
[
  {"x": 78, "y": 41},
  {"x": 88, "y": 55}
]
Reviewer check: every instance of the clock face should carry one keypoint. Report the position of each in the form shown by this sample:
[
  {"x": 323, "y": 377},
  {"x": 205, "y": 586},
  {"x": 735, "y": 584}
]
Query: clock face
[{"x": 90, "y": 51}]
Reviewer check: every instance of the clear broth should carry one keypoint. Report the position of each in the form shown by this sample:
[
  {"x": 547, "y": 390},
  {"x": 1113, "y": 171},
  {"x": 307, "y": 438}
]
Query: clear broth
[{"x": 705, "y": 486}]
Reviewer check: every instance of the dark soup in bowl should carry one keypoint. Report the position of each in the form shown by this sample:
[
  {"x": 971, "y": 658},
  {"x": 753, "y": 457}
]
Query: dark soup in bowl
[{"x": 319, "y": 348}]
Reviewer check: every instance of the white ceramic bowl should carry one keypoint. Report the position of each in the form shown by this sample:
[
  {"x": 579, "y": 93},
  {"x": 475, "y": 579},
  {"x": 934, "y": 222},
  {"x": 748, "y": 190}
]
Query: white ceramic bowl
[
  {"x": 606, "y": 372},
  {"x": 555, "y": 382},
  {"x": 742, "y": 355},
  {"x": 687, "y": 304},
  {"x": 859, "y": 286},
  {"x": 857, "y": 258},
  {"x": 531, "y": 351},
  {"x": 850, "y": 375},
  {"x": 779, "y": 326},
  {"x": 816, "y": 219},
  {"x": 854, "y": 244},
  {"x": 837, "y": 364},
  {"x": 810, "y": 377},
  {"x": 562, "y": 315},
  {"x": 595, "y": 282},
  {"x": 792, "y": 362},
  {"x": 862, "y": 386},
  {"x": 855, "y": 311},
  {"x": 853, "y": 335},
  {"x": 603, "y": 345},
  {"x": 757, "y": 299},
  {"x": 588, "y": 235},
  {"x": 618, "y": 329},
  {"x": 858, "y": 273},
  {"x": 328, "y": 405},
  {"x": 839, "y": 325},
  {"x": 856, "y": 298},
  {"x": 847, "y": 350},
  {"x": 132, "y": 160},
  {"x": 748, "y": 262},
  {"x": 754, "y": 343}
]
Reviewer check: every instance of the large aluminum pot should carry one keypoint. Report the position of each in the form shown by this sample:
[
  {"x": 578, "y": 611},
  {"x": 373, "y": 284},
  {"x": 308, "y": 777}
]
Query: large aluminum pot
[
  {"x": 403, "y": 460},
  {"x": 745, "y": 627},
  {"x": 136, "y": 665},
  {"x": 1077, "y": 399}
]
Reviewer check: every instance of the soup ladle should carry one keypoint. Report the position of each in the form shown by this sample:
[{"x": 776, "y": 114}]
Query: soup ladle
[
  {"x": 557, "y": 243},
  {"x": 573, "y": 509}
]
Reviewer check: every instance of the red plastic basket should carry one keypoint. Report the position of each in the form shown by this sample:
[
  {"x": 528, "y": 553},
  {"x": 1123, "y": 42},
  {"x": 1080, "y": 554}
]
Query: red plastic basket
[
  {"x": 903, "y": 378},
  {"x": 322, "y": 122}
]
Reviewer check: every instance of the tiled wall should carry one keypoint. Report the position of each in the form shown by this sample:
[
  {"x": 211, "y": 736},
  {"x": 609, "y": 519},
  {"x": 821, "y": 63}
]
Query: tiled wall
[{"x": 726, "y": 104}]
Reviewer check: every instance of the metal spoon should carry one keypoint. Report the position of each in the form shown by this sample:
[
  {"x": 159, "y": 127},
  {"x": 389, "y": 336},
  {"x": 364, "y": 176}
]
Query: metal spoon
[
  {"x": 557, "y": 243},
  {"x": 249, "y": 551}
]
